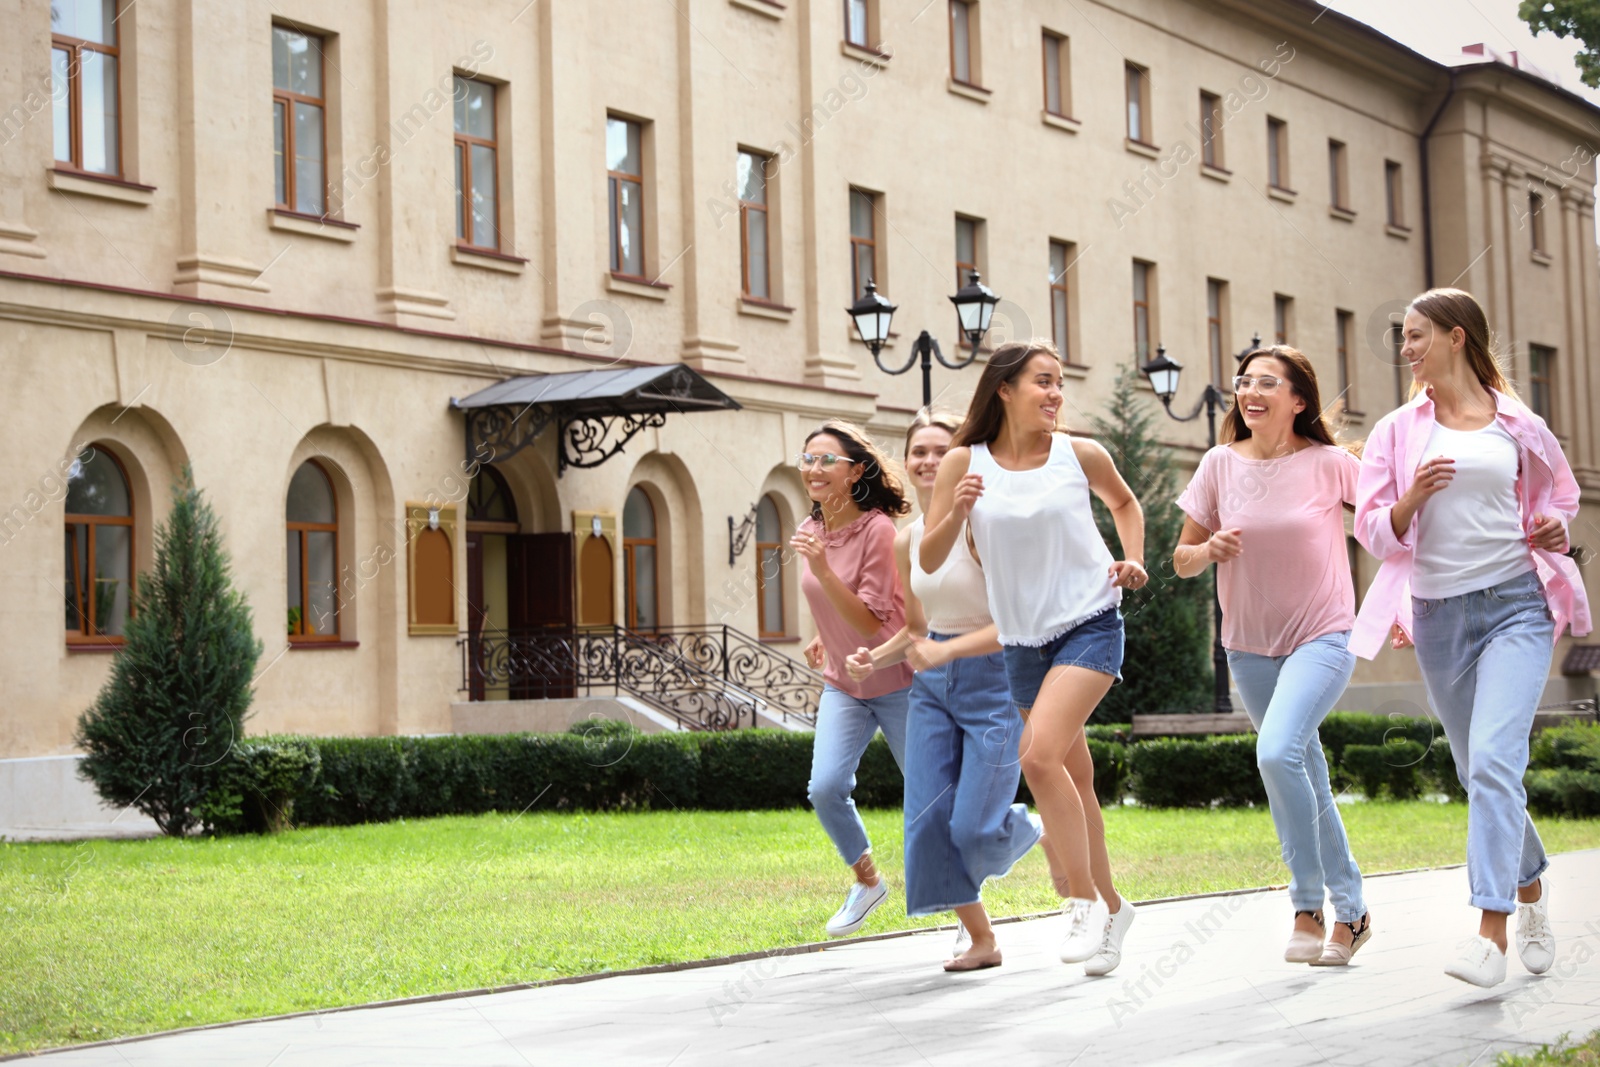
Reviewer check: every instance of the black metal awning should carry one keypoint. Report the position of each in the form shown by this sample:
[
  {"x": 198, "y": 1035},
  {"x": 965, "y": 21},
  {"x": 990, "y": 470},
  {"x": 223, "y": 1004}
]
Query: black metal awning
[{"x": 596, "y": 412}]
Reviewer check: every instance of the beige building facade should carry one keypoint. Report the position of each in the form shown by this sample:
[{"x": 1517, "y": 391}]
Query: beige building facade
[{"x": 275, "y": 243}]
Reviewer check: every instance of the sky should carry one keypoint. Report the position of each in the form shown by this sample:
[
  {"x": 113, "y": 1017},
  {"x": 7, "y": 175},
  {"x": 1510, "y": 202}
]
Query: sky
[{"x": 1439, "y": 28}]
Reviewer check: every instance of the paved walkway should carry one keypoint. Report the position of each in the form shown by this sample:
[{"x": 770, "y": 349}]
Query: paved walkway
[{"x": 1202, "y": 983}]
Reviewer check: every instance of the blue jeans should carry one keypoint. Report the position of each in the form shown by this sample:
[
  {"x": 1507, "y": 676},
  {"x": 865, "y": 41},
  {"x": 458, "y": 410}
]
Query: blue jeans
[
  {"x": 1485, "y": 657},
  {"x": 845, "y": 725},
  {"x": 1287, "y": 698},
  {"x": 961, "y": 780}
]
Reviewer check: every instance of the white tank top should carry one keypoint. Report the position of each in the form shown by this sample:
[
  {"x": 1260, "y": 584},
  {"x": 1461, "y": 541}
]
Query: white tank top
[
  {"x": 953, "y": 597},
  {"x": 1469, "y": 536},
  {"x": 1047, "y": 567}
]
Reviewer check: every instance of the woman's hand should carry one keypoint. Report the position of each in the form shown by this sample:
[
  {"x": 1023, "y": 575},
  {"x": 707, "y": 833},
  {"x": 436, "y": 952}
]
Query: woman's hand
[
  {"x": 1398, "y": 638},
  {"x": 815, "y": 654},
  {"x": 968, "y": 490},
  {"x": 1432, "y": 476},
  {"x": 859, "y": 663},
  {"x": 810, "y": 546},
  {"x": 1549, "y": 533},
  {"x": 926, "y": 654},
  {"x": 1224, "y": 545},
  {"x": 1129, "y": 574}
]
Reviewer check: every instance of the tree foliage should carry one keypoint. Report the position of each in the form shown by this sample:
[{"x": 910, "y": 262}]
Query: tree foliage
[{"x": 1569, "y": 18}]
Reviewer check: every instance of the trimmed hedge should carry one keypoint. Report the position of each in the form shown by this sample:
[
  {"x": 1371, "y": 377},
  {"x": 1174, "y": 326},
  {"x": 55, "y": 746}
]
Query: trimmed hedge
[
  {"x": 1391, "y": 768},
  {"x": 1564, "y": 771},
  {"x": 1170, "y": 772}
]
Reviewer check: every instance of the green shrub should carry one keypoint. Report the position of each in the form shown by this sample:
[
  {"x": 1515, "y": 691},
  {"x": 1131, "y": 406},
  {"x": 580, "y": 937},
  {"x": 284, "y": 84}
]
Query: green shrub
[
  {"x": 1575, "y": 745},
  {"x": 1441, "y": 770},
  {"x": 259, "y": 783},
  {"x": 602, "y": 728},
  {"x": 1174, "y": 772},
  {"x": 879, "y": 783},
  {"x": 754, "y": 769},
  {"x": 1393, "y": 767},
  {"x": 1363, "y": 728},
  {"x": 1110, "y": 774},
  {"x": 1563, "y": 791}
]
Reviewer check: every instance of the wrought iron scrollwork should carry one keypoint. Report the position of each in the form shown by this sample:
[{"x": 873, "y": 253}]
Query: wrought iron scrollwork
[
  {"x": 739, "y": 535},
  {"x": 502, "y": 431},
  {"x": 592, "y": 439}
]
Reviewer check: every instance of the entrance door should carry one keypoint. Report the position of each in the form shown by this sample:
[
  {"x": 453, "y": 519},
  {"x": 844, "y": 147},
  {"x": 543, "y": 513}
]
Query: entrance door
[{"x": 539, "y": 599}]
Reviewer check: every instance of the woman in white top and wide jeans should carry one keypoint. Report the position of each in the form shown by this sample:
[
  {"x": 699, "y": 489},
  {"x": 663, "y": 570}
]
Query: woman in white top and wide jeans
[
  {"x": 962, "y": 731},
  {"x": 1053, "y": 592},
  {"x": 1466, "y": 497}
]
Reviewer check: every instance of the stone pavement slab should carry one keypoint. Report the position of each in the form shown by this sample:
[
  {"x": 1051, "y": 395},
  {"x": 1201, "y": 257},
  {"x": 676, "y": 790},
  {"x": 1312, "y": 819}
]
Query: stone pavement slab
[{"x": 1202, "y": 983}]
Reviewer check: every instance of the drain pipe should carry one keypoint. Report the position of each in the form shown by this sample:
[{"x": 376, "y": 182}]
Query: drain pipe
[{"x": 1427, "y": 191}]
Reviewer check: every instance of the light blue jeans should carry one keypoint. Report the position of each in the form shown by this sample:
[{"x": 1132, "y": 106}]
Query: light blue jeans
[
  {"x": 845, "y": 725},
  {"x": 962, "y": 824},
  {"x": 1287, "y": 697},
  {"x": 1485, "y": 657}
]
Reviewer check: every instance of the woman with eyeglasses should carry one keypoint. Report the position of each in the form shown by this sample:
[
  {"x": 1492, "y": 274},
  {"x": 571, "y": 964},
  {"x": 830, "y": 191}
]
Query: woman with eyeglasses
[
  {"x": 1466, "y": 497},
  {"x": 962, "y": 826},
  {"x": 1267, "y": 507},
  {"x": 1053, "y": 589},
  {"x": 850, "y": 580}
]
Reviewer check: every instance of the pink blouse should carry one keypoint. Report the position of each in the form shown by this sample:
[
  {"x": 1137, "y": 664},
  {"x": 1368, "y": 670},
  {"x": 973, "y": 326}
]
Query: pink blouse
[{"x": 862, "y": 555}]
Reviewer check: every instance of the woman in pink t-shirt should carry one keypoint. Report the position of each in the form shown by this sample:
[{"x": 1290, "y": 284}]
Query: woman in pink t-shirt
[
  {"x": 852, "y": 583},
  {"x": 1267, "y": 506}
]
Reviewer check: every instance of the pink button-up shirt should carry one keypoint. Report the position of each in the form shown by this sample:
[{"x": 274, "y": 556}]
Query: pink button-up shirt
[{"x": 1545, "y": 486}]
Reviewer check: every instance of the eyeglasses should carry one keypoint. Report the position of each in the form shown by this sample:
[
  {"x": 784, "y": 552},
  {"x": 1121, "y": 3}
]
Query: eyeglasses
[
  {"x": 824, "y": 459},
  {"x": 1266, "y": 385}
]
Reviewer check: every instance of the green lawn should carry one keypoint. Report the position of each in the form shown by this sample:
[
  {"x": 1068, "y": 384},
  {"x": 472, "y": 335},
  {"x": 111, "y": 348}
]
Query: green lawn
[{"x": 106, "y": 938}]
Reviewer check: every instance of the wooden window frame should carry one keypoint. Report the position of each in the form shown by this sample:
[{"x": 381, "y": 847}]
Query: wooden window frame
[
  {"x": 1394, "y": 192},
  {"x": 1344, "y": 334},
  {"x": 75, "y": 47},
  {"x": 745, "y": 208},
  {"x": 630, "y": 601},
  {"x": 614, "y": 182},
  {"x": 1278, "y": 153},
  {"x": 1058, "y": 42},
  {"x": 1145, "y": 307},
  {"x": 1062, "y": 331},
  {"x": 1338, "y": 175},
  {"x": 1536, "y": 206},
  {"x": 1542, "y": 383},
  {"x": 1144, "y": 136},
  {"x": 762, "y": 547},
  {"x": 85, "y": 635},
  {"x": 463, "y": 145},
  {"x": 974, "y": 78},
  {"x": 304, "y": 528},
  {"x": 1282, "y": 316},
  {"x": 1211, "y": 150},
  {"x": 869, "y": 41},
  {"x": 857, "y": 285},
  {"x": 1216, "y": 330},
  {"x": 288, "y": 99}
]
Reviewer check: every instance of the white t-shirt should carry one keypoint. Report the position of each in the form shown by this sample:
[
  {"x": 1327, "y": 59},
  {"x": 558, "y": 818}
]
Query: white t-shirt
[{"x": 1469, "y": 534}]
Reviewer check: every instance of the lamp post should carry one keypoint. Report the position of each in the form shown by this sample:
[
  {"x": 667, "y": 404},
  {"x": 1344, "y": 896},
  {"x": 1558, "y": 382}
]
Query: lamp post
[
  {"x": 872, "y": 314},
  {"x": 1163, "y": 374}
]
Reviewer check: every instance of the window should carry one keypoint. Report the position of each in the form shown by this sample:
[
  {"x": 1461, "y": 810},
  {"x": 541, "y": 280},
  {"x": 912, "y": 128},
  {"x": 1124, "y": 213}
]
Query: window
[
  {"x": 1282, "y": 312},
  {"x": 969, "y": 234},
  {"x": 858, "y": 20},
  {"x": 1057, "y": 78},
  {"x": 1061, "y": 257},
  {"x": 1277, "y": 153},
  {"x": 1536, "y": 221},
  {"x": 1394, "y": 193},
  {"x": 639, "y": 562},
  {"x": 963, "y": 41},
  {"x": 1343, "y": 339},
  {"x": 769, "y": 569},
  {"x": 1401, "y": 371},
  {"x": 99, "y": 549},
  {"x": 1138, "y": 104},
  {"x": 1143, "y": 285},
  {"x": 1338, "y": 190},
  {"x": 1541, "y": 377},
  {"x": 863, "y": 241},
  {"x": 84, "y": 64},
  {"x": 1216, "y": 330},
  {"x": 1211, "y": 130},
  {"x": 753, "y": 228},
  {"x": 298, "y": 141},
  {"x": 625, "y": 187},
  {"x": 477, "y": 205},
  {"x": 312, "y": 516}
]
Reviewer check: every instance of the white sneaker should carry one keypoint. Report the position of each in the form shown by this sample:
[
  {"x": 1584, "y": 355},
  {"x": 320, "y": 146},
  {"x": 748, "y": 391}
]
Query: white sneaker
[
  {"x": 1086, "y": 928},
  {"x": 1109, "y": 955},
  {"x": 1536, "y": 944},
  {"x": 1481, "y": 963},
  {"x": 860, "y": 902},
  {"x": 963, "y": 939}
]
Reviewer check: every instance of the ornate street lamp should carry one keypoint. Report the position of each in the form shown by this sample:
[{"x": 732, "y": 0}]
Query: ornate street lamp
[
  {"x": 1164, "y": 374},
  {"x": 872, "y": 315}
]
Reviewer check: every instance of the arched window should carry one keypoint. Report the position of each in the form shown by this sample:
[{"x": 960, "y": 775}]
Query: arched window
[
  {"x": 489, "y": 498},
  {"x": 313, "y": 537},
  {"x": 99, "y": 554},
  {"x": 769, "y": 569},
  {"x": 639, "y": 561}
]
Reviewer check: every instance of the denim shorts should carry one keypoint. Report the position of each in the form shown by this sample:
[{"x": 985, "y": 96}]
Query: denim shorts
[{"x": 1095, "y": 644}]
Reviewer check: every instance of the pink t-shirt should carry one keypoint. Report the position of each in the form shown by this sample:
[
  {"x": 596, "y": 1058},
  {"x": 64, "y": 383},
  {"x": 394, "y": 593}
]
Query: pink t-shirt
[
  {"x": 1291, "y": 583},
  {"x": 862, "y": 555}
]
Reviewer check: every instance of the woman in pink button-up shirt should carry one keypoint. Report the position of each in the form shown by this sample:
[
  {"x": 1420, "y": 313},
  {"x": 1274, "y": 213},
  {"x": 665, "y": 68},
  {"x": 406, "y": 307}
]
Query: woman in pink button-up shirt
[{"x": 1465, "y": 496}]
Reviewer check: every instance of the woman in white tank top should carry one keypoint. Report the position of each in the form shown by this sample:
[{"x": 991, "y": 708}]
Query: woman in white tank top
[
  {"x": 962, "y": 731},
  {"x": 1053, "y": 591}
]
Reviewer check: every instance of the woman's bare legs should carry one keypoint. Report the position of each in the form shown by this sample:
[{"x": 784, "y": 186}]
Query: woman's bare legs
[{"x": 1062, "y": 780}]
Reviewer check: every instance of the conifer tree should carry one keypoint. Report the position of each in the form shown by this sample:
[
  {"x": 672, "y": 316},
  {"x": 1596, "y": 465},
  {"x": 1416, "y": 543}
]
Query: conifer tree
[{"x": 179, "y": 690}]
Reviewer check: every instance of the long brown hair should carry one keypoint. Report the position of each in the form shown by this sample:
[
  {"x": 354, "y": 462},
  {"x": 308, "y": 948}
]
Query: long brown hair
[
  {"x": 987, "y": 412},
  {"x": 948, "y": 421},
  {"x": 1310, "y": 423},
  {"x": 1449, "y": 308},
  {"x": 879, "y": 488}
]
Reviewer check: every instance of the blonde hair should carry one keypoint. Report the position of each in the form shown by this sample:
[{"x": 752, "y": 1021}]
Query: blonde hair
[
  {"x": 1450, "y": 308},
  {"x": 948, "y": 421}
]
